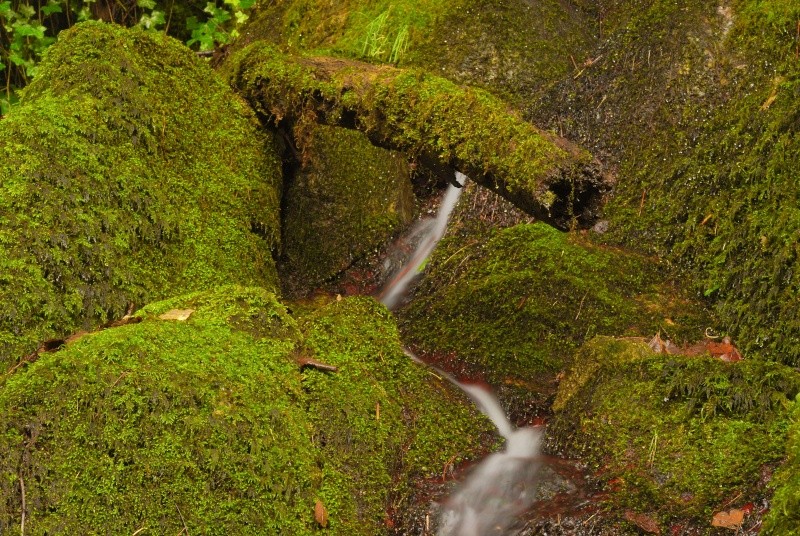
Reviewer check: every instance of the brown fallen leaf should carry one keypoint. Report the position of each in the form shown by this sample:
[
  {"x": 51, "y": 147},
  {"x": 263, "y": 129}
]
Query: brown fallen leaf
[
  {"x": 732, "y": 519},
  {"x": 643, "y": 521},
  {"x": 177, "y": 314},
  {"x": 321, "y": 514}
]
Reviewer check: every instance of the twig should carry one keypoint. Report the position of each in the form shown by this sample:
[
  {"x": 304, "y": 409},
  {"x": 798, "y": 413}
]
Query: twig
[
  {"x": 24, "y": 507},
  {"x": 641, "y": 203},
  {"x": 185, "y": 528},
  {"x": 139, "y": 530},
  {"x": 313, "y": 363},
  {"x": 580, "y": 306}
]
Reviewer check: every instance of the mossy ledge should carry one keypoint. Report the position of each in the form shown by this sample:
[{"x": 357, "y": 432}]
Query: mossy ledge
[
  {"x": 674, "y": 436},
  {"x": 130, "y": 172},
  {"x": 430, "y": 118},
  {"x": 209, "y": 425}
]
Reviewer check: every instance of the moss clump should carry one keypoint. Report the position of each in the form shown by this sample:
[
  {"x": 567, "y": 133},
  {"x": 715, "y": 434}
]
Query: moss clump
[
  {"x": 348, "y": 198},
  {"x": 129, "y": 170},
  {"x": 210, "y": 424},
  {"x": 676, "y": 435},
  {"x": 784, "y": 514},
  {"x": 517, "y": 302}
]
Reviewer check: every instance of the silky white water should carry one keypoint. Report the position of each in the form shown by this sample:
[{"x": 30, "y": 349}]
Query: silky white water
[
  {"x": 396, "y": 288},
  {"x": 504, "y": 484}
]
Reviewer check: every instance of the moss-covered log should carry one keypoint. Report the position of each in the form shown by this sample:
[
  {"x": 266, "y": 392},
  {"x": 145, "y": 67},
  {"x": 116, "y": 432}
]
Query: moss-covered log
[{"x": 430, "y": 118}]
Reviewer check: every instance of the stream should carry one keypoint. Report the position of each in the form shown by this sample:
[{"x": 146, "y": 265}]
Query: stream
[{"x": 502, "y": 486}]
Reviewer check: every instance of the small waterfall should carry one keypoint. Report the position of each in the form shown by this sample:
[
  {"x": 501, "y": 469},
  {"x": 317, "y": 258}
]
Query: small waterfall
[
  {"x": 504, "y": 484},
  {"x": 396, "y": 288}
]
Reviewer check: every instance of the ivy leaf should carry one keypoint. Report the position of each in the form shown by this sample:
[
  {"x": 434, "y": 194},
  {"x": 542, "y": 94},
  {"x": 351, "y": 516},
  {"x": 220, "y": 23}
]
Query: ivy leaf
[
  {"x": 152, "y": 21},
  {"x": 5, "y": 9},
  {"x": 146, "y": 4}
]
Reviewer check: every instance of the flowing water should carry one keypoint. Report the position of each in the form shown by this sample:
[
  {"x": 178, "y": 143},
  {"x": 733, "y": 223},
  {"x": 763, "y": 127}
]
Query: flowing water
[
  {"x": 504, "y": 484},
  {"x": 433, "y": 231}
]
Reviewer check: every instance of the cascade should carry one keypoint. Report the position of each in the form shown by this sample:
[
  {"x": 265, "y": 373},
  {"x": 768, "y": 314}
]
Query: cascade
[
  {"x": 432, "y": 233},
  {"x": 503, "y": 485}
]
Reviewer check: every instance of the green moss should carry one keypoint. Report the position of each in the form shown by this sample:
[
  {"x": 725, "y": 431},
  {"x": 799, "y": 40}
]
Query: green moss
[
  {"x": 129, "y": 171},
  {"x": 784, "y": 514},
  {"x": 210, "y": 424},
  {"x": 428, "y": 117},
  {"x": 348, "y": 198},
  {"x": 380, "y": 416},
  {"x": 517, "y": 302},
  {"x": 675, "y": 435}
]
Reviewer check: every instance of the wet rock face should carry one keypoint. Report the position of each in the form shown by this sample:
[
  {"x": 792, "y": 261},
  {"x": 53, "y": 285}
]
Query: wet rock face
[
  {"x": 129, "y": 170},
  {"x": 346, "y": 198}
]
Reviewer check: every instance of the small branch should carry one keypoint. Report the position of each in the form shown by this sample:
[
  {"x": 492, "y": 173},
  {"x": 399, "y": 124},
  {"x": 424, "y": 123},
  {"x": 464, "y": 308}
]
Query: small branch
[
  {"x": 185, "y": 528},
  {"x": 313, "y": 363}
]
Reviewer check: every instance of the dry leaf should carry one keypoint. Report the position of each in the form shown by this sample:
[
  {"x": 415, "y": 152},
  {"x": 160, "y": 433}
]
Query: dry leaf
[
  {"x": 731, "y": 519},
  {"x": 321, "y": 514},
  {"x": 177, "y": 314},
  {"x": 643, "y": 521}
]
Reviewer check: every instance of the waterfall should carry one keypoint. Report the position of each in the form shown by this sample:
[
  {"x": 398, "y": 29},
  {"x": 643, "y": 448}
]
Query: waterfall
[
  {"x": 396, "y": 288},
  {"x": 504, "y": 484}
]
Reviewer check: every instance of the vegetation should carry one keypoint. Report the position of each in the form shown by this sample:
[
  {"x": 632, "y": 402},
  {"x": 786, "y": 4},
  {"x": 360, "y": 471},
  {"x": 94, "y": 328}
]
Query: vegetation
[
  {"x": 518, "y": 302},
  {"x": 129, "y": 173},
  {"x": 701, "y": 432},
  {"x": 209, "y": 424},
  {"x": 345, "y": 200}
]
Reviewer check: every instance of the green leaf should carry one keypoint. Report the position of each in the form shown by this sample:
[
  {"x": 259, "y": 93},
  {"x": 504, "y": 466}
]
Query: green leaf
[
  {"x": 146, "y": 4},
  {"x": 53, "y": 6},
  {"x": 5, "y": 9}
]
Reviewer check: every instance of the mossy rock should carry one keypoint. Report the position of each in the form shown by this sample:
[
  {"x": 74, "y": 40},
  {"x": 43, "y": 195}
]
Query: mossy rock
[
  {"x": 696, "y": 104},
  {"x": 513, "y": 48},
  {"x": 347, "y": 199},
  {"x": 674, "y": 436},
  {"x": 209, "y": 424},
  {"x": 517, "y": 302},
  {"x": 130, "y": 172},
  {"x": 784, "y": 514}
]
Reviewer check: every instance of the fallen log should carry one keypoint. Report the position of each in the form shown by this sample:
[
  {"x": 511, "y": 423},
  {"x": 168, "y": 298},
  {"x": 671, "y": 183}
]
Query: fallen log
[{"x": 433, "y": 120}]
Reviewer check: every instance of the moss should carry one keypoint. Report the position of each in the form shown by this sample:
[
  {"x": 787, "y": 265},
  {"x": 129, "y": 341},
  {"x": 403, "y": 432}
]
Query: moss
[
  {"x": 430, "y": 118},
  {"x": 129, "y": 171},
  {"x": 395, "y": 416},
  {"x": 723, "y": 209},
  {"x": 348, "y": 198},
  {"x": 676, "y": 435},
  {"x": 518, "y": 301},
  {"x": 784, "y": 514},
  {"x": 209, "y": 424}
]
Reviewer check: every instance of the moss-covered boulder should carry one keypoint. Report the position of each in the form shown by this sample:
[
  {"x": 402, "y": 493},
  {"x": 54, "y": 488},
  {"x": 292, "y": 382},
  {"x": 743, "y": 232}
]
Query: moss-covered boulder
[
  {"x": 347, "y": 198},
  {"x": 673, "y": 436},
  {"x": 210, "y": 425},
  {"x": 129, "y": 172},
  {"x": 517, "y": 302}
]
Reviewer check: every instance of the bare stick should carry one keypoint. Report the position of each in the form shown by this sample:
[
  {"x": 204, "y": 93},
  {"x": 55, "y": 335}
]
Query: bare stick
[{"x": 185, "y": 528}]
